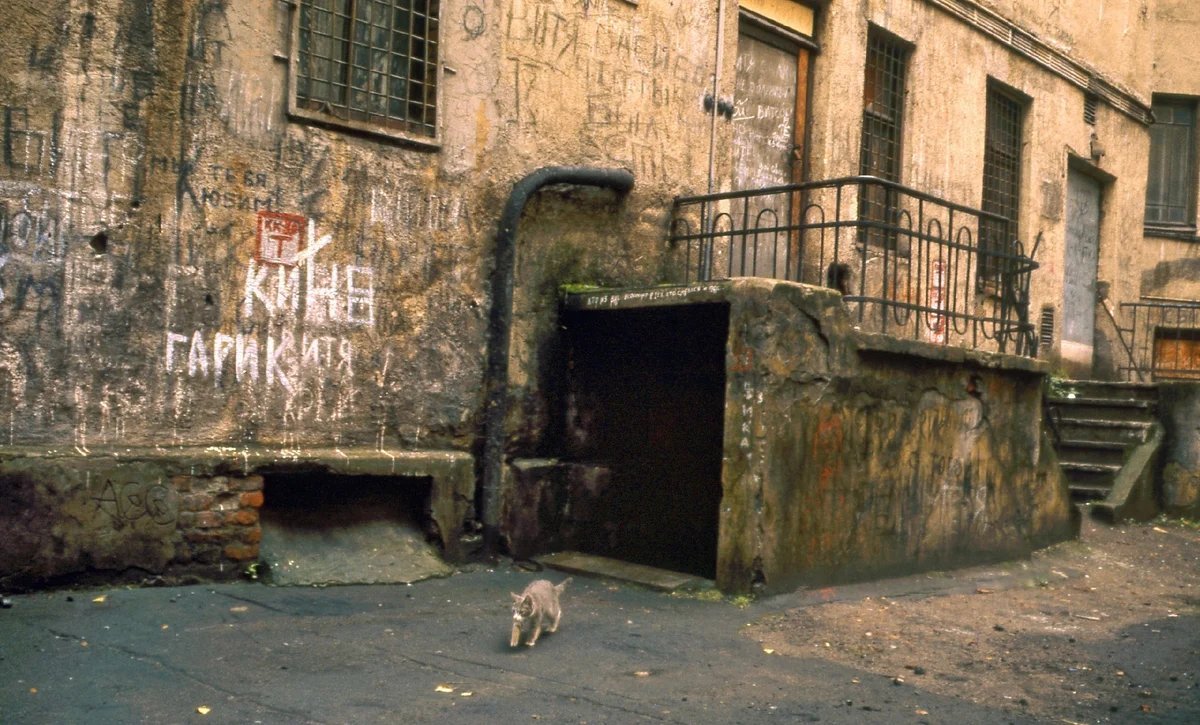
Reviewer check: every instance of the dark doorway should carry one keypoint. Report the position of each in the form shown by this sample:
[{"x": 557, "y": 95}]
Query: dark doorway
[{"x": 646, "y": 397}]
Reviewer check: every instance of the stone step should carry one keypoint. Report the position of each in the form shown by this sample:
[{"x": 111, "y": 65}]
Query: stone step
[
  {"x": 1095, "y": 389},
  {"x": 1102, "y": 409},
  {"x": 1089, "y": 451},
  {"x": 1090, "y": 492},
  {"x": 1090, "y": 468},
  {"x": 1104, "y": 431}
]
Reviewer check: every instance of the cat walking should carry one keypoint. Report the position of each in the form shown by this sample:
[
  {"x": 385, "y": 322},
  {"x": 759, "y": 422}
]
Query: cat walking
[{"x": 536, "y": 609}]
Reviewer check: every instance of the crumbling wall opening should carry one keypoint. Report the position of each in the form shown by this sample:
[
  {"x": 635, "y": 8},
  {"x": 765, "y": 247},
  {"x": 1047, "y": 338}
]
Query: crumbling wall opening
[
  {"x": 319, "y": 527},
  {"x": 645, "y": 399}
]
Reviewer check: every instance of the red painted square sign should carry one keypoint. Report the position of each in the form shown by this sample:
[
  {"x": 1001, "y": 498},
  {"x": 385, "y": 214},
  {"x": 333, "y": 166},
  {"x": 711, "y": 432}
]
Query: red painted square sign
[{"x": 280, "y": 237}]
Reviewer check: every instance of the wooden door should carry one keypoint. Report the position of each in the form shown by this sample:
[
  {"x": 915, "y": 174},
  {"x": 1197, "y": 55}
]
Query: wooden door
[{"x": 770, "y": 97}]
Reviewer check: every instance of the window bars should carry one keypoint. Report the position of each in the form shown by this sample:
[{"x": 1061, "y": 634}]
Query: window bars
[
  {"x": 882, "y": 124},
  {"x": 1001, "y": 178},
  {"x": 370, "y": 61},
  {"x": 1164, "y": 340}
]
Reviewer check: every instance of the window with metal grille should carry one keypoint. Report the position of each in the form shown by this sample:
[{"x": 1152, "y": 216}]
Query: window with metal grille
[
  {"x": 1171, "y": 184},
  {"x": 368, "y": 64},
  {"x": 882, "y": 124},
  {"x": 1001, "y": 181}
]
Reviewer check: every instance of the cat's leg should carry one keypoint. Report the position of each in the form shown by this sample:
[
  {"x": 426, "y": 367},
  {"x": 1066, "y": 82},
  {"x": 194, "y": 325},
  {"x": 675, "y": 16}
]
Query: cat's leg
[
  {"x": 537, "y": 630},
  {"x": 557, "y": 619}
]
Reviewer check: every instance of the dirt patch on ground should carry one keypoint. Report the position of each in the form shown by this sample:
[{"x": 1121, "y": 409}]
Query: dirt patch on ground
[{"x": 1109, "y": 631}]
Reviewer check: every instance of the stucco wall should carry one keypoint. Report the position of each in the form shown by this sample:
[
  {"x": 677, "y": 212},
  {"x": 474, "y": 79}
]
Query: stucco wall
[
  {"x": 1171, "y": 267},
  {"x": 942, "y": 150}
]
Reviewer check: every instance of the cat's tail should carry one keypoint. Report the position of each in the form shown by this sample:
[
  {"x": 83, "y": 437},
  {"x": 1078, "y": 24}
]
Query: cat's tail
[{"x": 559, "y": 587}]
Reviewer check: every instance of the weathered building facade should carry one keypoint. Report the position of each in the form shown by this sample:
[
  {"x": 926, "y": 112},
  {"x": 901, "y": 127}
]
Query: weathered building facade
[{"x": 239, "y": 238}]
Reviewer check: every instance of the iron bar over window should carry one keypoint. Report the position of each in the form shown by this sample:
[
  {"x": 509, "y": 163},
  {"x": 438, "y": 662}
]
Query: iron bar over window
[
  {"x": 1171, "y": 185},
  {"x": 1001, "y": 180},
  {"x": 370, "y": 61},
  {"x": 883, "y": 107}
]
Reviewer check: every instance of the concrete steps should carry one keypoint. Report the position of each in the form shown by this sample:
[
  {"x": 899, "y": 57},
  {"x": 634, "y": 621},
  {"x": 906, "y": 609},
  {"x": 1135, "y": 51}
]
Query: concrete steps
[{"x": 1098, "y": 428}]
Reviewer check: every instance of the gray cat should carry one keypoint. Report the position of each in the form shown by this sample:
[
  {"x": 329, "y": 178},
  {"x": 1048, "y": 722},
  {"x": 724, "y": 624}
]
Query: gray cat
[{"x": 536, "y": 609}]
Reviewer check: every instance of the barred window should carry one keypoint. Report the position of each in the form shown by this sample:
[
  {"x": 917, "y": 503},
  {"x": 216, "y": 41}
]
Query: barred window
[
  {"x": 1001, "y": 180},
  {"x": 1171, "y": 184},
  {"x": 369, "y": 64},
  {"x": 883, "y": 107}
]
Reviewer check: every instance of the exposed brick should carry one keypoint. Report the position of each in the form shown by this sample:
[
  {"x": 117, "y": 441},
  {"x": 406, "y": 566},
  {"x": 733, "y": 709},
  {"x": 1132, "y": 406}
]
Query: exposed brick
[
  {"x": 185, "y": 520},
  {"x": 183, "y": 484},
  {"x": 207, "y": 519},
  {"x": 227, "y": 502},
  {"x": 206, "y": 536},
  {"x": 252, "y": 535},
  {"x": 196, "y": 502},
  {"x": 243, "y": 517},
  {"x": 241, "y": 553},
  {"x": 252, "y": 498},
  {"x": 249, "y": 483}
]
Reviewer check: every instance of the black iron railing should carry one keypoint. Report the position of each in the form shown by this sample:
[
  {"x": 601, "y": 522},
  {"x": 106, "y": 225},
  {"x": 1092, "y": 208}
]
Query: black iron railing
[
  {"x": 1163, "y": 340},
  {"x": 914, "y": 266}
]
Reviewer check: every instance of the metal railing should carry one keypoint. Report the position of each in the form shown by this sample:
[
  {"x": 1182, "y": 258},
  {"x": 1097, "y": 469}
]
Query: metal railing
[
  {"x": 1164, "y": 340},
  {"x": 907, "y": 263}
]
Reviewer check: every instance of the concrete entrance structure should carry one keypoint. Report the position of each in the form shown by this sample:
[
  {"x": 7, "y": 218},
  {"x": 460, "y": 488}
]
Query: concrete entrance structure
[{"x": 843, "y": 455}]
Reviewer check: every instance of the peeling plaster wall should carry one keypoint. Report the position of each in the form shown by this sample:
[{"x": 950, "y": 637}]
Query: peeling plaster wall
[{"x": 149, "y": 163}]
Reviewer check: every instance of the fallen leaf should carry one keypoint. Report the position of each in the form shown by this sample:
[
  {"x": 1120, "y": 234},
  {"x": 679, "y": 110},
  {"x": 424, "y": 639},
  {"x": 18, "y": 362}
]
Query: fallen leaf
[
  {"x": 239, "y": 608},
  {"x": 642, "y": 673},
  {"x": 166, "y": 626},
  {"x": 1160, "y": 530},
  {"x": 768, "y": 650},
  {"x": 204, "y": 709},
  {"x": 443, "y": 688},
  {"x": 983, "y": 590},
  {"x": 921, "y": 712},
  {"x": 99, "y": 600},
  {"x": 33, "y": 691},
  {"x": 466, "y": 694}
]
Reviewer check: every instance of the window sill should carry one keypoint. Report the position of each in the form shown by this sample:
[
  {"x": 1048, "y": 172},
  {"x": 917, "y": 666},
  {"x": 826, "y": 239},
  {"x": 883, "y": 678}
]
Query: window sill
[
  {"x": 364, "y": 128},
  {"x": 1182, "y": 233}
]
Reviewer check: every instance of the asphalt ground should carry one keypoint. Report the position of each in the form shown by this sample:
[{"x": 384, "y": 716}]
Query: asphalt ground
[
  {"x": 385, "y": 653},
  {"x": 438, "y": 650}
]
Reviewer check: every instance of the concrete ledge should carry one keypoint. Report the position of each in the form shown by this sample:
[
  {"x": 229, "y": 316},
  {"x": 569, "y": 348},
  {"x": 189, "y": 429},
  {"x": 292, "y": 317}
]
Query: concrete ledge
[
  {"x": 880, "y": 343},
  {"x": 452, "y": 472}
]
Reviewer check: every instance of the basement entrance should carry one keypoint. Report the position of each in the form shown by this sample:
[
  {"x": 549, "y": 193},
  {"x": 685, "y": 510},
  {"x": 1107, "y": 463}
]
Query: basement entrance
[
  {"x": 645, "y": 400},
  {"x": 323, "y": 528}
]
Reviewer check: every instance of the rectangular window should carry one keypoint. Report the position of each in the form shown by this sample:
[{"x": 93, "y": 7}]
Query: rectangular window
[
  {"x": 1171, "y": 184},
  {"x": 369, "y": 64},
  {"x": 1001, "y": 181},
  {"x": 882, "y": 124}
]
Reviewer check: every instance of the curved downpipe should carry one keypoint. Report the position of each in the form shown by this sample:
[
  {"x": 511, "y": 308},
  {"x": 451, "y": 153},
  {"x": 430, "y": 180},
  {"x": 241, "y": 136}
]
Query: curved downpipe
[{"x": 500, "y": 323}]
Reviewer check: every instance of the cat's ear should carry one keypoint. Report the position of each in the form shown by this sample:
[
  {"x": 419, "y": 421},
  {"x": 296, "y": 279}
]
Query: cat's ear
[{"x": 516, "y": 597}]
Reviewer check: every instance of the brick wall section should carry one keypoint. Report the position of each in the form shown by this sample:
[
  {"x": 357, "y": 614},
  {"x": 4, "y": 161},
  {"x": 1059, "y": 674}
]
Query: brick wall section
[{"x": 218, "y": 522}]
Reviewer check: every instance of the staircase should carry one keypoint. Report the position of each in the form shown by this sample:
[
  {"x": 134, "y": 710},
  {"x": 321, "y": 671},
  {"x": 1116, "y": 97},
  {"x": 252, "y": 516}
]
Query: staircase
[{"x": 1107, "y": 437}]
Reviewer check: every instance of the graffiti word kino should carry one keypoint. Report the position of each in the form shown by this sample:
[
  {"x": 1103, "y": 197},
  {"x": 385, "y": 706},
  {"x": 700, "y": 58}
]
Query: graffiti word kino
[{"x": 310, "y": 303}]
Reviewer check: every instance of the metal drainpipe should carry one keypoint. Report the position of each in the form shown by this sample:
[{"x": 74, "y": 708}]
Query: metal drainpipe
[{"x": 500, "y": 323}]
